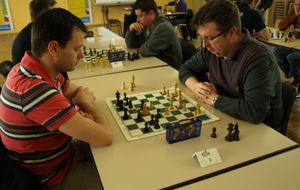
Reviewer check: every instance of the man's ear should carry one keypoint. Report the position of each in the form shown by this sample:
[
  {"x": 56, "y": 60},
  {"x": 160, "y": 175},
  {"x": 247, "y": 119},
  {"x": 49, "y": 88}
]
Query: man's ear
[{"x": 53, "y": 48}]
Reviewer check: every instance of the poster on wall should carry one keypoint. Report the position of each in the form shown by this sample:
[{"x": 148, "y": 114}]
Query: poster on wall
[
  {"x": 82, "y": 9},
  {"x": 5, "y": 17}
]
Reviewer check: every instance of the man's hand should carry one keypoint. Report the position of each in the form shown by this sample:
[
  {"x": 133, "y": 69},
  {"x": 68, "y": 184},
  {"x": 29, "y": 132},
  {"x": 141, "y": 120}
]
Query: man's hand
[
  {"x": 136, "y": 26},
  {"x": 205, "y": 92},
  {"x": 83, "y": 96}
]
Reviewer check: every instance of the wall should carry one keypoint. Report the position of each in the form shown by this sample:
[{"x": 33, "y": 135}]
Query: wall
[{"x": 20, "y": 12}]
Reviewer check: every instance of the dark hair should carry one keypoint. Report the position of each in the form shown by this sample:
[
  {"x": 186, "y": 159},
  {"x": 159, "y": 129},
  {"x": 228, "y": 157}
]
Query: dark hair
[
  {"x": 145, "y": 5},
  {"x": 54, "y": 24},
  {"x": 224, "y": 12},
  {"x": 36, "y": 7}
]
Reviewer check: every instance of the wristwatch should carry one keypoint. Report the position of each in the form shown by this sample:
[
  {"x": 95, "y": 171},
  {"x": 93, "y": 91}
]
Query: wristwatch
[{"x": 213, "y": 101}]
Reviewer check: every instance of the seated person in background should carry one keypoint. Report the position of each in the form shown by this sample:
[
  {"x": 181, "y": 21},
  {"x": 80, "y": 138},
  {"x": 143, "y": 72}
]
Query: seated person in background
[
  {"x": 252, "y": 21},
  {"x": 287, "y": 58},
  {"x": 180, "y": 5},
  {"x": 244, "y": 79},
  {"x": 37, "y": 120},
  {"x": 22, "y": 42},
  {"x": 263, "y": 6},
  {"x": 153, "y": 34}
]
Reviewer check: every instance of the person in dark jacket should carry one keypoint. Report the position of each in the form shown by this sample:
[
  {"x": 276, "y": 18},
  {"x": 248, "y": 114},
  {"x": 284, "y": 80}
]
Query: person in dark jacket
[{"x": 244, "y": 80}]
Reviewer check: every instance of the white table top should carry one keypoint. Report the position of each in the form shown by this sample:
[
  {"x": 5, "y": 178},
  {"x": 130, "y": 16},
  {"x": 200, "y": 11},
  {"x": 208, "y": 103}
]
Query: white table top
[
  {"x": 279, "y": 172},
  {"x": 103, "y": 41},
  {"x": 152, "y": 163}
]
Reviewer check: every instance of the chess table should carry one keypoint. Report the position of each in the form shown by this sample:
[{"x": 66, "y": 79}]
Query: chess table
[{"x": 153, "y": 163}]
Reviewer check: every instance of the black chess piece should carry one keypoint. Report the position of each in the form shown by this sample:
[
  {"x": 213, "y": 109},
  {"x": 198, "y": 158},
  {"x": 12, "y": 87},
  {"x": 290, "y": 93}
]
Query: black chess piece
[
  {"x": 130, "y": 104},
  {"x": 214, "y": 134},
  {"x": 84, "y": 50},
  {"x": 152, "y": 122},
  {"x": 156, "y": 125},
  {"x": 121, "y": 106},
  {"x": 229, "y": 137},
  {"x": 125, "y": 114},
  {"x": 142, "y": 104},
  {"x": 118, "y": 98},
  {"x": 139, "y": 116},
  {"x": 158, "y": 114},
  {"x": 236, "y": 132},
  {"x": 146, "y": 129}
]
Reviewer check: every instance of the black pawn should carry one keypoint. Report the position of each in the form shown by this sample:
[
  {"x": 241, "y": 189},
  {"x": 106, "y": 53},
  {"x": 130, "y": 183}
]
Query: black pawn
[
  {"x": 130, "y": 104},
  {"x": 152, "y": 122},
  {"x": 124, "y": 96},
  {"x": 156, "y": 125},
  {"x": 139, "y": 116},
  {"x": 125, "y": 114},
  {"x": 84, "y": 50},
  {"x": 214, "y": 135},
  {"x": 126, "y": 101},
  {"x": 158, "y": 114},
  {"x": 146, "y": 129}
]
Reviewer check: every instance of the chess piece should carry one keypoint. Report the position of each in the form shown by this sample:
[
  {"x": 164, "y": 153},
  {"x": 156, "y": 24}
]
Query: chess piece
[
  {"x": 146, "y": 129},
  {"x": 133, "y": 81},
  {"x": 130, "y": 104},
  {"x": 139, "y": 116},
  {"x": 198, "y": 109},
  {"x": 214, "y": 134},
  {"x": 152, "y": 122},
  {"x": 236, "y": 132},
  {"x": 121, "y": 106},
  {"x": 167, "y": 111},
  {"x": 158, "y": 113},
  {"x": 171, "y": 105},
  {"x": 118, "y": 98},
  {"x": 168, "y": 93},
  {"x": 130, "y": 87},
  {"x": 123, "y": 86},
  {"x": 229, "y": 135},
  {"x": 164, "y": 91},
  {"x": 142, "y": 104},
  {"x": 125, "y": 114},
  {"x": 145, "y": 109},
  {"x": 151, "y": 105},
  {"x": 184, "y": 107},
  {"x": 156, "y": 125}
]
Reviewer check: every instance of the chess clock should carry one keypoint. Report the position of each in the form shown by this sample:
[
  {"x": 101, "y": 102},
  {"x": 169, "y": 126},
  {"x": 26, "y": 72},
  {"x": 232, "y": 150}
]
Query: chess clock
[
  {"x": 183, "y": 130},
  {"x": 116, "y": 55}
]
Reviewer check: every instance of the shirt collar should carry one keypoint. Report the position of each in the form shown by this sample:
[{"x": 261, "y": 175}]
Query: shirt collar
[{"x": 244, "y": 39}]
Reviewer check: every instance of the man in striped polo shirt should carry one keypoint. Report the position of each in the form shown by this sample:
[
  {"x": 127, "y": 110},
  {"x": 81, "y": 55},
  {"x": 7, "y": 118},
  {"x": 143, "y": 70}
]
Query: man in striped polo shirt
[{"x": 37, "y": 116}]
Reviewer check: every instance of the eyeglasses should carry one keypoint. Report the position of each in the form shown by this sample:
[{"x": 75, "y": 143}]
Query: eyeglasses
[{"x": 204, "y": 39}]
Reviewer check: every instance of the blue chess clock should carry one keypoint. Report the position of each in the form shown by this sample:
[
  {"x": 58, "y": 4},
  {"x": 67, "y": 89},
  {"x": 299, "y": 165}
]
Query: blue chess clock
[{"x": 183, "y": 130}]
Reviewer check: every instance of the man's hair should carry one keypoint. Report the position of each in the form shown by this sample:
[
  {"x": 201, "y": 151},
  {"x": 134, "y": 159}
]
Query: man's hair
[
  {"x": 223, "y": 12},
  {"x": 54, "y": 24},
  {"x": 36, "y": 7},
  {"x": 145, "y": 5}
]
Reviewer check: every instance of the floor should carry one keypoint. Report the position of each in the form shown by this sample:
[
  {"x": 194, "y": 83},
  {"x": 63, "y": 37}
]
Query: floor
[{"x": 293, "y": 131}]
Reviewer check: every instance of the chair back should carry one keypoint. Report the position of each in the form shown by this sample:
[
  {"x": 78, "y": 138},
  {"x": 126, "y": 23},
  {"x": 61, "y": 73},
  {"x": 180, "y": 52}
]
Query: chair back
[
  {"x": 5, "y": 67},
  {"x": 288, "y": 98},
  {"x": 105, "y": 13},
  {"x": 188, "y": 50}
]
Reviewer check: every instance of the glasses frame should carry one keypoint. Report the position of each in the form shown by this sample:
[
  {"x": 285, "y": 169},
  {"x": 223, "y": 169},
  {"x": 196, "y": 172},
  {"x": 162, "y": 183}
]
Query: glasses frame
[{"x": 212, "y": 38}]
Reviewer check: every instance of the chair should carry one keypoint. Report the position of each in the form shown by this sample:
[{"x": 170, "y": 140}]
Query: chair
[
  {"x": 5, "y": 67},
  {"x": 188, "y": 50},
  {"x": 111, "y": 22},
  {"x": 288, "y": 98}
]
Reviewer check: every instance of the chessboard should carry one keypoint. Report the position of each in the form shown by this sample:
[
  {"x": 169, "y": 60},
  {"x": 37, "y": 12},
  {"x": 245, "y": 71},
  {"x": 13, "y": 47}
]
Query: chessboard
[{"x": 133, "y": 128}]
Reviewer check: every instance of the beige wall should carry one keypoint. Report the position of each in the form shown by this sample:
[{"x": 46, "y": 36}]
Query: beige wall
[{"x": 20, "y": 12}]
